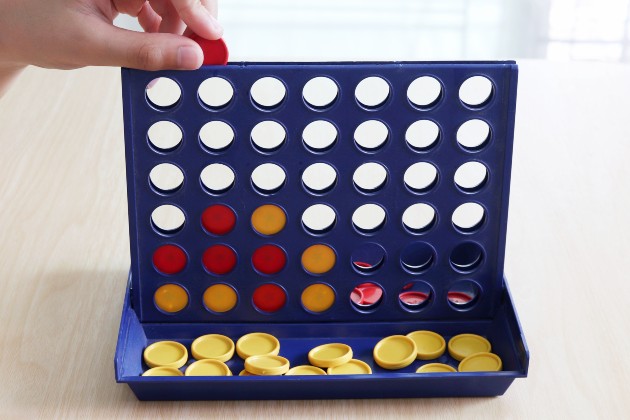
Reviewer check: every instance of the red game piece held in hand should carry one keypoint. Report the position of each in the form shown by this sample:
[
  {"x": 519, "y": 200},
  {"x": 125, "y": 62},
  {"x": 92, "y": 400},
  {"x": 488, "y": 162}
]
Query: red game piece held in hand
[{"x": 215, "y": 52}]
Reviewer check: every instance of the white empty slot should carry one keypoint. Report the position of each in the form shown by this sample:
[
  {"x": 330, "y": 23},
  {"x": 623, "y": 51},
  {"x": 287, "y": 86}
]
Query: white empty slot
[
  {"x": 216, "y": 135},
  {"x": 468, "y": 216},
  {"x": 372, "y": 91},
  {"x": 165, "y": 135},
  {"x": 371, "y": 134},
  {"x": 418, "y": 217},
  {"x": 268, "y": 92},
  {"x": 370, "y": 176},
  {"x": 319, "y": 218},
  {"x": 422, "y": 134},
  {"x": 215, "y": 92},
  {"x": 268, "y": 135},
  {"x": 319, "y": 177},
  {"x": 424, "y": 91},
  {"x": 217, "y": 177},
  {"x": 368, "y": 217},
  {"x": 471, "y": 175},
  {"x": 168, "y": 218},
  {"x": 473, "y": 134},
  {"x": 166, "y": 177},
  {"x": 268, "y": 177},
  {"x": 475, "y": 90},
  {"x": 420, "y": 176},
  {"x": 320, "y": 92},
  {"x": 319, "y": 135},
  {"x": 163, "y": 92}
]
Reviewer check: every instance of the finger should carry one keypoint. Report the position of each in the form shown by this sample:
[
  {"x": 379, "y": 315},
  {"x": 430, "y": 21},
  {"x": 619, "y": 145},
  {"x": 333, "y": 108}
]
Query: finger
[
  {"x": 171, "y": 22},
  {"x": 129, "y": 7},
  {"x": 149, "y": 19},
  {"x": 112, "y": 46},
  {"x": 198, "y": 18}
]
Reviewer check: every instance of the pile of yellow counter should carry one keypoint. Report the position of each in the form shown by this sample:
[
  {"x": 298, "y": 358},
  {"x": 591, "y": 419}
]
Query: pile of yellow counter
[{"x": 261, "y": 353}]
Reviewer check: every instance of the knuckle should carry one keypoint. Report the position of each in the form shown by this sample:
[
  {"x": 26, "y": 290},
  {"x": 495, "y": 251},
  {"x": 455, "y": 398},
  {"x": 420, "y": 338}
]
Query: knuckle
[{"x": 149, "y": 57}]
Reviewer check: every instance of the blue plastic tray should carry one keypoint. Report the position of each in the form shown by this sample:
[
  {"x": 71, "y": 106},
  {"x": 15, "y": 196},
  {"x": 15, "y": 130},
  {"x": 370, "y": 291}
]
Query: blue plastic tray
[{"x": 490, "y": 313}]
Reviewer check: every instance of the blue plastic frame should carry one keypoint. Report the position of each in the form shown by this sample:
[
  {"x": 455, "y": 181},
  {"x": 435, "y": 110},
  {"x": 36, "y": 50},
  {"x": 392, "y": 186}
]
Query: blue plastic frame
[{"x": 492, "y": 314}]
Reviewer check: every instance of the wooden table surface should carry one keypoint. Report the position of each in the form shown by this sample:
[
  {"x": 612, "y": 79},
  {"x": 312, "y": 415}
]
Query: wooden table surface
[{"x": 65, "y": 254}]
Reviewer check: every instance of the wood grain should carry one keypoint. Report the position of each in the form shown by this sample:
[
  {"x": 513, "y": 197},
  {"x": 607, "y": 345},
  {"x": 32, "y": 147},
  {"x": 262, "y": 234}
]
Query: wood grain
[{"x": 65, "y": 256}]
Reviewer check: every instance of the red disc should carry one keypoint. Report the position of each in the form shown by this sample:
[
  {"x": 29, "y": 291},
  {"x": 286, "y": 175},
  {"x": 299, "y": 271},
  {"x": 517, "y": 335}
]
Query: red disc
[
  {"x": 413, "y": 298},
  {"x": 219, "y": 259},
  {"x": 218, "y": 219},
  {"x": 459, "y": 298},
  {"x": 269, "y": 259},
  {"x": 169, "y": 259},
  {"x": 269, "y": 298},
  {"x": 215, "y": 52},
  {"x": 371, "y": 295}
]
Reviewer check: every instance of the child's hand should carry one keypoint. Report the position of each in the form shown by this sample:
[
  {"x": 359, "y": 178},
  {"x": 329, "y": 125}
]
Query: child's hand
[{"x": 67, "y": 34}]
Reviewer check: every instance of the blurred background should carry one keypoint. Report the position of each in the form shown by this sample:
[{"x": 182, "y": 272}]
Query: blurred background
[{"x": 558, "y": 30}]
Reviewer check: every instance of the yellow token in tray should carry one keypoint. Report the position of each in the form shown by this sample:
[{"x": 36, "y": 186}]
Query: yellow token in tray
[
  {"x": 163, "y": 371},
  {"x": 213, "y": 346},
  {"x": 395, "y": 352},
  {"x": 267, "y": 365},
  {"x": 166, "y": 354},
  {"x": 353, "y": 367},
  {"x": 435, "y": 368},
  {"x": 481, "y": 362},
  {"x": 463, "y": 345},
  {"x": 245, "y": 373},
  {"x": 208, "y": 367},
  {"x": 268, "y": 219},
  {"x": 330, "y": 355},
  {"x": 305, "y": 370},
  {"x": 429, "y": 344},
  {"x": 257, "y": 344}
]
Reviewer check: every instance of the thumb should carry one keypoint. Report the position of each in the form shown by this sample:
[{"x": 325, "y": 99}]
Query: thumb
[{"x": 112, "y": 46}]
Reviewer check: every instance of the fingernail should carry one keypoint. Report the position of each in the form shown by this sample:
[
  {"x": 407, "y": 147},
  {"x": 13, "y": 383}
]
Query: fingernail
[{"x": 188, "y": 58}]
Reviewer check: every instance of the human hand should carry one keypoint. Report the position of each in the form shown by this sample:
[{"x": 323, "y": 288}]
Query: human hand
[{"x": 68, "y": 34}]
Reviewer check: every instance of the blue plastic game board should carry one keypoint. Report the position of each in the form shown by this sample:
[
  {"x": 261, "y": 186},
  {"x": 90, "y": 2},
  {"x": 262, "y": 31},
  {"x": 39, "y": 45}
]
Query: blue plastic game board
[{"x": 452, "y": 264}]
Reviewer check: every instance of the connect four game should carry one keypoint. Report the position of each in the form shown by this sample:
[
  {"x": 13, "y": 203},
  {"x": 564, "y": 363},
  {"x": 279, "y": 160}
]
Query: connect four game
[{"x": 319, "y": 230}]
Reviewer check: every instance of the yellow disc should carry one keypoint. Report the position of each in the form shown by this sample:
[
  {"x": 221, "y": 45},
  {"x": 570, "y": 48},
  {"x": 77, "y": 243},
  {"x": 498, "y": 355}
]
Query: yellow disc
[
  {"x": 220, "y": 298},
  {"x": 318, "y": 297},
  {"x": 257, "y": 344},
  {"x": 318, "y": 259},
  {"x": 268, "y": 219},
  {"x": 481, "y": 362},
  {"x": 463, "y": 345},
  {"x": 305, "y": 370},
  {"x": 166, "y": 354},
  {"x": 353, "y": 367},
  {"x": 330, "y": 355},
  {"x": 213, "y": 346},
  {"x": 163, "y": 371},
  {"x": 435, "y": 368},
  {"x": 267, "y": 365},
  {"x": 171, "y": 298},
  {"x": 208, "y": 367},
  {"x": 246, "y": 373},
  {"x": 395, "y": 352},
  {"x": 430, "y": 345}
]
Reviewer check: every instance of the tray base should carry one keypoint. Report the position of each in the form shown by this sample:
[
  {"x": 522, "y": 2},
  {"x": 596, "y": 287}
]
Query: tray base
[{"x": 503, "y": 331}]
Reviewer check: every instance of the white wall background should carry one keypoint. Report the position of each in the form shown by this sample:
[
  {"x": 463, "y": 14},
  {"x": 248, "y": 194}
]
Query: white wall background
[{"x": 424, "y": 29}]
